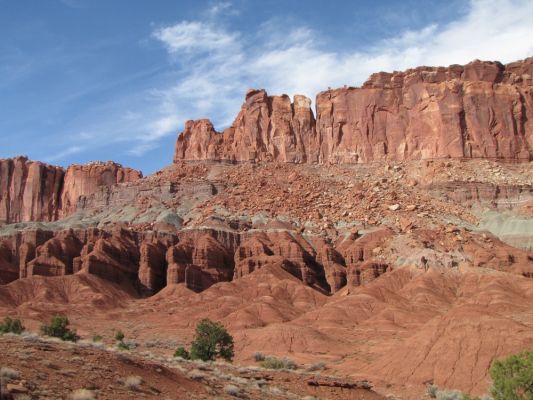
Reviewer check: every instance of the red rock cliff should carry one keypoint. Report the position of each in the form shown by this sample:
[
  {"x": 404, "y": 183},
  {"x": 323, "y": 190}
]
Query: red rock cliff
[
  {"x": 482, "y": 109},
  {"x": 34, "y": 191},
  {"x": 29, "y": 190},
  {"x": 267, "y": 128},
  {"x": 82, "y": 180}
]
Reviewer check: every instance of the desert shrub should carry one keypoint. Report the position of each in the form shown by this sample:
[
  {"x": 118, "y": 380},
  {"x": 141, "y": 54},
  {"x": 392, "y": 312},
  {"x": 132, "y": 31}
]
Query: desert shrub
[
  {"x": 119, "y": 336},
  {"x": 259, "y": 356},
  {"x": 449, "y": 395},
  {"x": 9, "y": 373},
  {"x": 319, "y": 366},
  {"x": 211, "y": 341},
  {"x": 133, "y": 382},
  {"x": 11, "y": 326},
  {"x": 278, "y": 363},
  {"x": 512, "y": 378},
  {"x": 132, "y": 344},
  {"x": 183, "y": 353},
  {"x": 123, "y": 346},
  {"x": 82, "y": 394},
  {"x": 232, "y": 390},
  {"x": 432, "y": 390},
  {"x": 196, "y": 374},
  {"x": 97, "y": 338},
  {"x": 58, "y": 327}
]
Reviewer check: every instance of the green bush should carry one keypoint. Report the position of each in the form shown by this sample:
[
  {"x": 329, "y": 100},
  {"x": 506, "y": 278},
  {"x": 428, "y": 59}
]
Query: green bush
[
  {"x": 11, "y": 326},
  {"x": 123, "y": 346},
  {"x": 119, "y": 336},
  {"x": 211, "y": 341},
  {"x": 432, "y": 390},
  {"x": 512, "y": 378},
  {"x": 97, "y": 338},
  {"x": 183, "y": 353},
  {"x": 58, "y": 327},
  {"x": 278, "y": 363}
]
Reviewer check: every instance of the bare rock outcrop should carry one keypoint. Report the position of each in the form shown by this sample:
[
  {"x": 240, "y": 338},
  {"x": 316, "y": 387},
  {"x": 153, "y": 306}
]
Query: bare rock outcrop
[
  {"x": 83, "y": 180},
  {"x": 268, "y": 128},
  {"x": 480, "y": 110},
  {"x": 34, "y": 191},
  {"x": 29, "y": 190}
]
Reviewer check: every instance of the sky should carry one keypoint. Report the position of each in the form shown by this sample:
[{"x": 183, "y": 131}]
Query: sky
[{"x": 86, "y": 80}]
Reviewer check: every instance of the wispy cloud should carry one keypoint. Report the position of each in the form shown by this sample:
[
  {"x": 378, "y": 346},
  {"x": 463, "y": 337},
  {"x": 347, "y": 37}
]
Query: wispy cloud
[
  {"x": 218, "y": 8},
  {"x": 226, "y": 62},
  {"x": 214, "y": 64},
  {"x": 64, "y": 153},
  {"x": 194, "y": 37}
]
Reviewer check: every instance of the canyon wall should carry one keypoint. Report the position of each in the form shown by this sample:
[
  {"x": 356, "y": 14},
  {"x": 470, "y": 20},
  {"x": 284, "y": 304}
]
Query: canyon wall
[
  {"x": 480, "y": 110},
  {"x": 34, "y": 191}
]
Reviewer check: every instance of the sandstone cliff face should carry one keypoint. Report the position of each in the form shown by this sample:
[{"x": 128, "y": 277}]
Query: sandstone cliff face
[
  {"x": 481, "y": 109},
  {"x": 34, "y": 191},
  {"x": 29, "y": 191},
  {"x": 83, "y": 180},
  {"x": 268, "y": 128}
]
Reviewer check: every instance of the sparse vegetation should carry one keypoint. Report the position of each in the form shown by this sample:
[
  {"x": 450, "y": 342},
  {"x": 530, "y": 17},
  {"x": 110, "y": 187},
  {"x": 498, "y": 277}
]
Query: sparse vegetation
[
  {"x": 278, "y": 363},
  {"x": 211, "y": 341},
  {"x": 183, "y": 353},
  {"x": 319, "y": 366},
  {"x": 232, "y": 390},
  {"x": 123, "y": 346},
  {"x": 258, "y": 357},
  {"x": 432, "y": 390},
  {"x": 450, "y": 395},
  {"x": 82, "y": 394},
  {"x": 97, "y": 338},
  {"x": 196, "y": 375},
  {"x": 133, "y": 382},
  {"x": 9, "y": 373},
  {"x": 58, "y": 327},
  {"x": 9, "y": 325},
  {"x": 119, "y": 336},
  {"x": 512, "y": 378}
]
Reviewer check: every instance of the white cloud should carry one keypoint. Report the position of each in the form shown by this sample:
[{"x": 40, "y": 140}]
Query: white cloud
[
  {"x": 214, "y": 65},
  {"x": 195, "y": 36},
  {"x": 298, "y": 61},
  {"x": 221, "y": 7},
  {"x": 65, "y": 153}
]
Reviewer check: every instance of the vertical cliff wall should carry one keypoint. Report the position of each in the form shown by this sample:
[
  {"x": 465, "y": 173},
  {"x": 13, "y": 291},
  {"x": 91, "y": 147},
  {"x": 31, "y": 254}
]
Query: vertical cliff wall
[
  {"x": 480, "y": 110},
  {"x": 29, "y": 191},
  {"x": 34, "y": 191}
]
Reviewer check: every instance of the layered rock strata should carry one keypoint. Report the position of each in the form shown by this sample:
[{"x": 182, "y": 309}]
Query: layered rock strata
[{"x": 200, "y": 258}]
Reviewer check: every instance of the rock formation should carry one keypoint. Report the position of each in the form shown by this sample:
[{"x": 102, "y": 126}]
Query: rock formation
[
  {"x": 34, "y": 191},
  {"x": 83, "y": 180},
  {"x": 29, "y": 190},
  {"x": 480, "y": 110}
]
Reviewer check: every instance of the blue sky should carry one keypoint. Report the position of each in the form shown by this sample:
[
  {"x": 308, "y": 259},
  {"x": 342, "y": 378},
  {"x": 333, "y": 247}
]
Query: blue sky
[{"x": 85, "y": 80}]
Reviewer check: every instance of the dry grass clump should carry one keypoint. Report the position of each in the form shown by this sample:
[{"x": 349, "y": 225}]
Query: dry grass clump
[
  {"x": 133, "y": 382},
  {"x": 9, "y": 373},
  {"x": 232, "y": 390},
  {"x": 278, "y": 363},
  {"x": 82, "y": 394},
  {"x": 196, "y": 375},
  {"x": 319, "y": 366}
]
